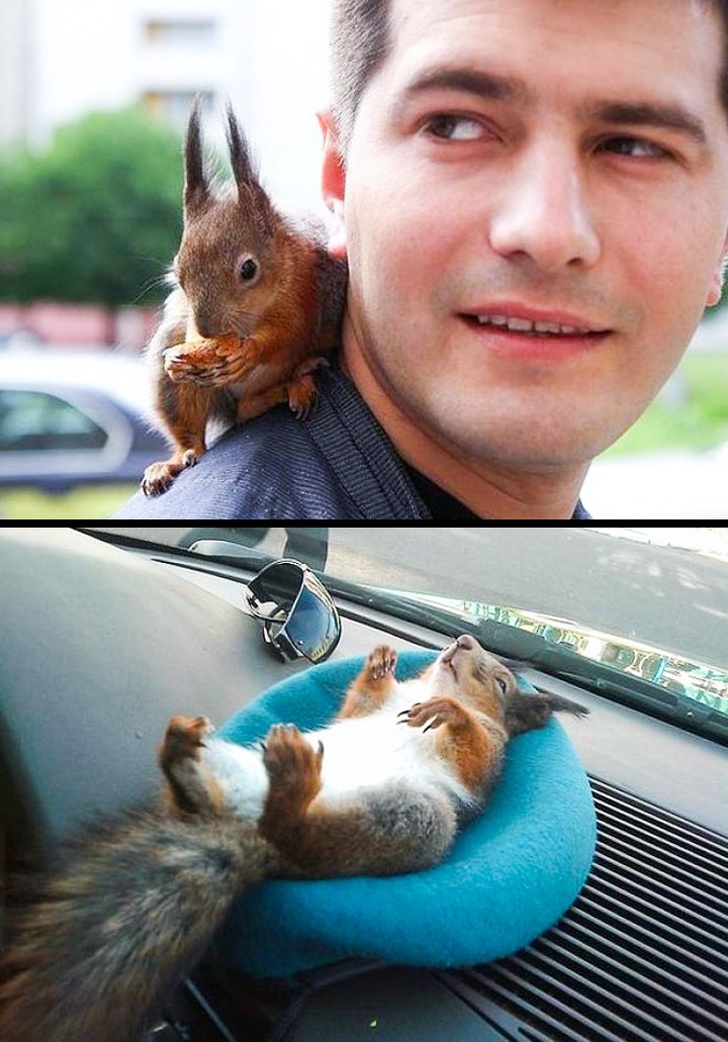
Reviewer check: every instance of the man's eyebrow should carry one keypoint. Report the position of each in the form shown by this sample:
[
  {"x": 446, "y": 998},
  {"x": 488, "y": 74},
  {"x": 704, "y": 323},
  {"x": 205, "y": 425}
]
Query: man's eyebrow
[
  {"x": 648, "y": 114},
  {"x": 465, "y": 81},
  {"x": 503, "y": 88}
]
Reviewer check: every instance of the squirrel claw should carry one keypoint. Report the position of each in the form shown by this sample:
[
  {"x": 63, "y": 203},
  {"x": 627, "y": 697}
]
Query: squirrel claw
[
  {"x": 407, "y": 713},
  {"x": 433, "y": 713},
  {"x": 200, "y": 362},
  {"x": 381, "y": 662},
  {"x": 293, "y": 766},
  {"x": 159, "y": 476}
]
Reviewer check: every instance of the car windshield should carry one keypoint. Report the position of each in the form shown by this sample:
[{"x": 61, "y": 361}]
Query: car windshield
[{"x": 638, "y": 615}]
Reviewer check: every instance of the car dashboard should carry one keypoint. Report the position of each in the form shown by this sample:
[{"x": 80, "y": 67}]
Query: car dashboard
[{"x": 101, "y": 644}]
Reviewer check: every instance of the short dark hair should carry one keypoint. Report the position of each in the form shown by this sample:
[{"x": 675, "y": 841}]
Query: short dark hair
[
  {"x": 723, "y": 8},
  {"x": 360, "y": 41}
]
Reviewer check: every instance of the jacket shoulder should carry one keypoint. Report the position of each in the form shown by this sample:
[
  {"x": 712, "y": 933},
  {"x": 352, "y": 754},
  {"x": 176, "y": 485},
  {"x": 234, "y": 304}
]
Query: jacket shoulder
[{"x": 268, "y": 468}]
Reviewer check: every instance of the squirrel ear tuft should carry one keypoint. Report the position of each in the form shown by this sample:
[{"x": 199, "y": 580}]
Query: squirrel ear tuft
[
  {"x": 241, "y": 156},
  {"x": 197, "y": 189},
  {"x": 252, "y": 197}
]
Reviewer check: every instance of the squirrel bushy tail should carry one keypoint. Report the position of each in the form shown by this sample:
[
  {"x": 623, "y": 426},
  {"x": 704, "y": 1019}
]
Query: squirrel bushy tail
[{"x": 111, "y": 934}]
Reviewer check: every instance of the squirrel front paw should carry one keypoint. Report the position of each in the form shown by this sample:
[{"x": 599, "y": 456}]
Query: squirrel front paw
[
  {"x": 381, "y": 662},
  {"x": 434, "y": 713},
  {"x": 194, "y": 363},
  {"x": 210, "y": 362}
]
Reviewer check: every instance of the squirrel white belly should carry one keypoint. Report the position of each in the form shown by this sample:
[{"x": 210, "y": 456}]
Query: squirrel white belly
[
  {"x": 381, "y": 790},
  {"x": 360, "y": 752}
]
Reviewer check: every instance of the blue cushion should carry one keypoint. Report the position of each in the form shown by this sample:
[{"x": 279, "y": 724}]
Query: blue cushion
[{"x": 510, "y": 875}]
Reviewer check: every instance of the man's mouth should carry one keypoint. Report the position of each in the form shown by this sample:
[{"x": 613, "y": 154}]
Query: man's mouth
[
  {"x": 520, "y": 332},
  {"x": 531, "y": 326}
]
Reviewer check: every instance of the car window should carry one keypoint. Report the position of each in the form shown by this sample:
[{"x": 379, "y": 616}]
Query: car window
[
  {"x": 32, "y": 420},
  {"x": 634, "y": 615}
]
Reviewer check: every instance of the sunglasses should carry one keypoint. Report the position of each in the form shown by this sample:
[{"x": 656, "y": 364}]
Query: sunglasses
[{"x": 299, "y": 617}]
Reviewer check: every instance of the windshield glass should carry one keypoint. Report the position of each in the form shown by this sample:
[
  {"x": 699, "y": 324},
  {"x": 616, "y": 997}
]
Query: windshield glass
[{"x": 647, "y": 604}]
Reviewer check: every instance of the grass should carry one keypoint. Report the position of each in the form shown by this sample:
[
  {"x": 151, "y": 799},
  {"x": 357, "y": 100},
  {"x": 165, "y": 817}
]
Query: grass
[
  {"x": 88, "y": 504},
  {"x": 698, "y": 422},
  {"x": 699, "y": 419}
]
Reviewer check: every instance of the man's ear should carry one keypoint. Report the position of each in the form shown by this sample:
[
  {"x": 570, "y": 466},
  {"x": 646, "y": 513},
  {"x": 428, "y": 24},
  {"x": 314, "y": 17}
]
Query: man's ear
[
  {"x": 333, "y": 183},
  {"x": 716, "y": 285}
]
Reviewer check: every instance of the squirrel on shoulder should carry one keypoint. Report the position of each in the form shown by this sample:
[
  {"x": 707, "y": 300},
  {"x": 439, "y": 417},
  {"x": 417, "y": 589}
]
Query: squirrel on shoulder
[
  {"x": 381, "y": 790},
  {"x": 256, "y": 308}
]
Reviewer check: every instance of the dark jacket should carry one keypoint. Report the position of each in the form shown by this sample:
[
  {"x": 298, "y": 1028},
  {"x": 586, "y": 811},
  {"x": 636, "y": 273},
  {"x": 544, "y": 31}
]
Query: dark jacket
[{"x": 337, "y": 464}]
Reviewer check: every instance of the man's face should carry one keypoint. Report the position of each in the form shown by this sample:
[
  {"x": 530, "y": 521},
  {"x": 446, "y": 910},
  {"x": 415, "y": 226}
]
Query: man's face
[{"x": 535, "y": 206}]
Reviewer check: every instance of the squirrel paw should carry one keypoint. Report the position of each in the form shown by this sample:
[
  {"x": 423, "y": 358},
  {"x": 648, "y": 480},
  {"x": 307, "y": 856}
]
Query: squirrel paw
[
  {"x": 182, "y": 369},
  {"x": 159, "y": 476},
  {"x": 207, "y": 363},
  {"x": 433, "y": 713},
  {"x": 293, "y": 766},
  {"x": 302, "y": 390},
  {"x": 185, "y": 736},
  {"x": 302, "y": 396},
  {"x": 381, "y": 662}
]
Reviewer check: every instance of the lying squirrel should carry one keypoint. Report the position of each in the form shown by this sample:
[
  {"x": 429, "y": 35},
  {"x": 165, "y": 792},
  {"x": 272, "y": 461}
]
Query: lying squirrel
[
  {"x": 256, "y": 308},
  {"x": 382, "y": 790}
]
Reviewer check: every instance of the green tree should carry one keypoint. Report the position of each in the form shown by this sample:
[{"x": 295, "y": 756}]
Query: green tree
[{"x": 96, "y": 217}]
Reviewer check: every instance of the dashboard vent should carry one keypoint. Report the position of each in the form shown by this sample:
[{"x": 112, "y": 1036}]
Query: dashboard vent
[{"x": 642, "y": 954}]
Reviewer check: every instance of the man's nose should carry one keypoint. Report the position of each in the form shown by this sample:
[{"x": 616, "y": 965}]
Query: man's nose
[{"x": 544, "y": 214}]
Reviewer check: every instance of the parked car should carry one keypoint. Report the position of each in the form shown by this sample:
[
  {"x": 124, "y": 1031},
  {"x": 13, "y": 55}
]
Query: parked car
[
  {"x": 70, "y": 417},
  {"x": 108, "y": 631}
]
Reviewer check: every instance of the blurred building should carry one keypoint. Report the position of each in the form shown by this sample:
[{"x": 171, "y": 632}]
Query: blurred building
[
  {"x": 60, "y": 60},
  {"x": 15, "y": 66}
]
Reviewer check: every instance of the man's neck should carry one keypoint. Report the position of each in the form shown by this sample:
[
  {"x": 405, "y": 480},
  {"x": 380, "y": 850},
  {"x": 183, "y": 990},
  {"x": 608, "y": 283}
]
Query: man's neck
[{"x": 486, "y": 488}]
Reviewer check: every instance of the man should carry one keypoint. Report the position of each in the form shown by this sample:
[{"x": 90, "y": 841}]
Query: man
[{"x": 533, "y": 199}]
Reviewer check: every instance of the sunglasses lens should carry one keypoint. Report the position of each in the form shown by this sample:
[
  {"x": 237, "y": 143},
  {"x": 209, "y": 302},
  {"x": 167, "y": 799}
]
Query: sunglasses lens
[
  {"x": 278, "y": 583},
  {"x": 305, "y": 621},
  {"x": 313, "y": 627}
]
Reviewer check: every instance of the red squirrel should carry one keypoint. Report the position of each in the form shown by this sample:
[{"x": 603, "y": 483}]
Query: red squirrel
[
  {"x": 256, "y": 308},
  {"x": 383, "y": 789}
]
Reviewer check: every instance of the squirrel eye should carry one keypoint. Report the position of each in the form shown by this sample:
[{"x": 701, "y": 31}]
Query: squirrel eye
[
  {"x": 502, "y": 683},
  {"x": 249, "y": 269}
]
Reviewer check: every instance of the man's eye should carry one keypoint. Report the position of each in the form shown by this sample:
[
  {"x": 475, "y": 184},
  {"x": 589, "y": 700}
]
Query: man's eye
[
  {"x": 634, "y": 148},
  {"x": 454, "y": 128}
]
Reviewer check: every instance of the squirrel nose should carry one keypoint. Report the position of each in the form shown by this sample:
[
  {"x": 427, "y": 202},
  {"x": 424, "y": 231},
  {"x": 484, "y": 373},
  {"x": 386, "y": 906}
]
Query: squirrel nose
[
  {"x": 204, "y": 329},
  {"x": 207, "y": 318},
  {"x": 461, "y": 643},
  {"x": 466, "y": 641}
]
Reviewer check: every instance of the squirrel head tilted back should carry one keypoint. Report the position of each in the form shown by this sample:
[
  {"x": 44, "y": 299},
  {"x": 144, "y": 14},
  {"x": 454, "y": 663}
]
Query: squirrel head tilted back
[{"x": 228, "y": 263}]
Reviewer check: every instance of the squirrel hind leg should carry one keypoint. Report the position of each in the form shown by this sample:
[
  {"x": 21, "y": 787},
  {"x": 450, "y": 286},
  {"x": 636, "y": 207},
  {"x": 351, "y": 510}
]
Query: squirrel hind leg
[
  {"x": 302, "y": 390},
  {"x": 191, "y": 788},
  {"x": 300, "y": 393},
  {"x": 302, "y": 396},
  {"x": 383, "y": 832},
  {"x": 183, "y": 409},
  {"x": 252, "y": 405},
  {"x": 414, "y": 830}
]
